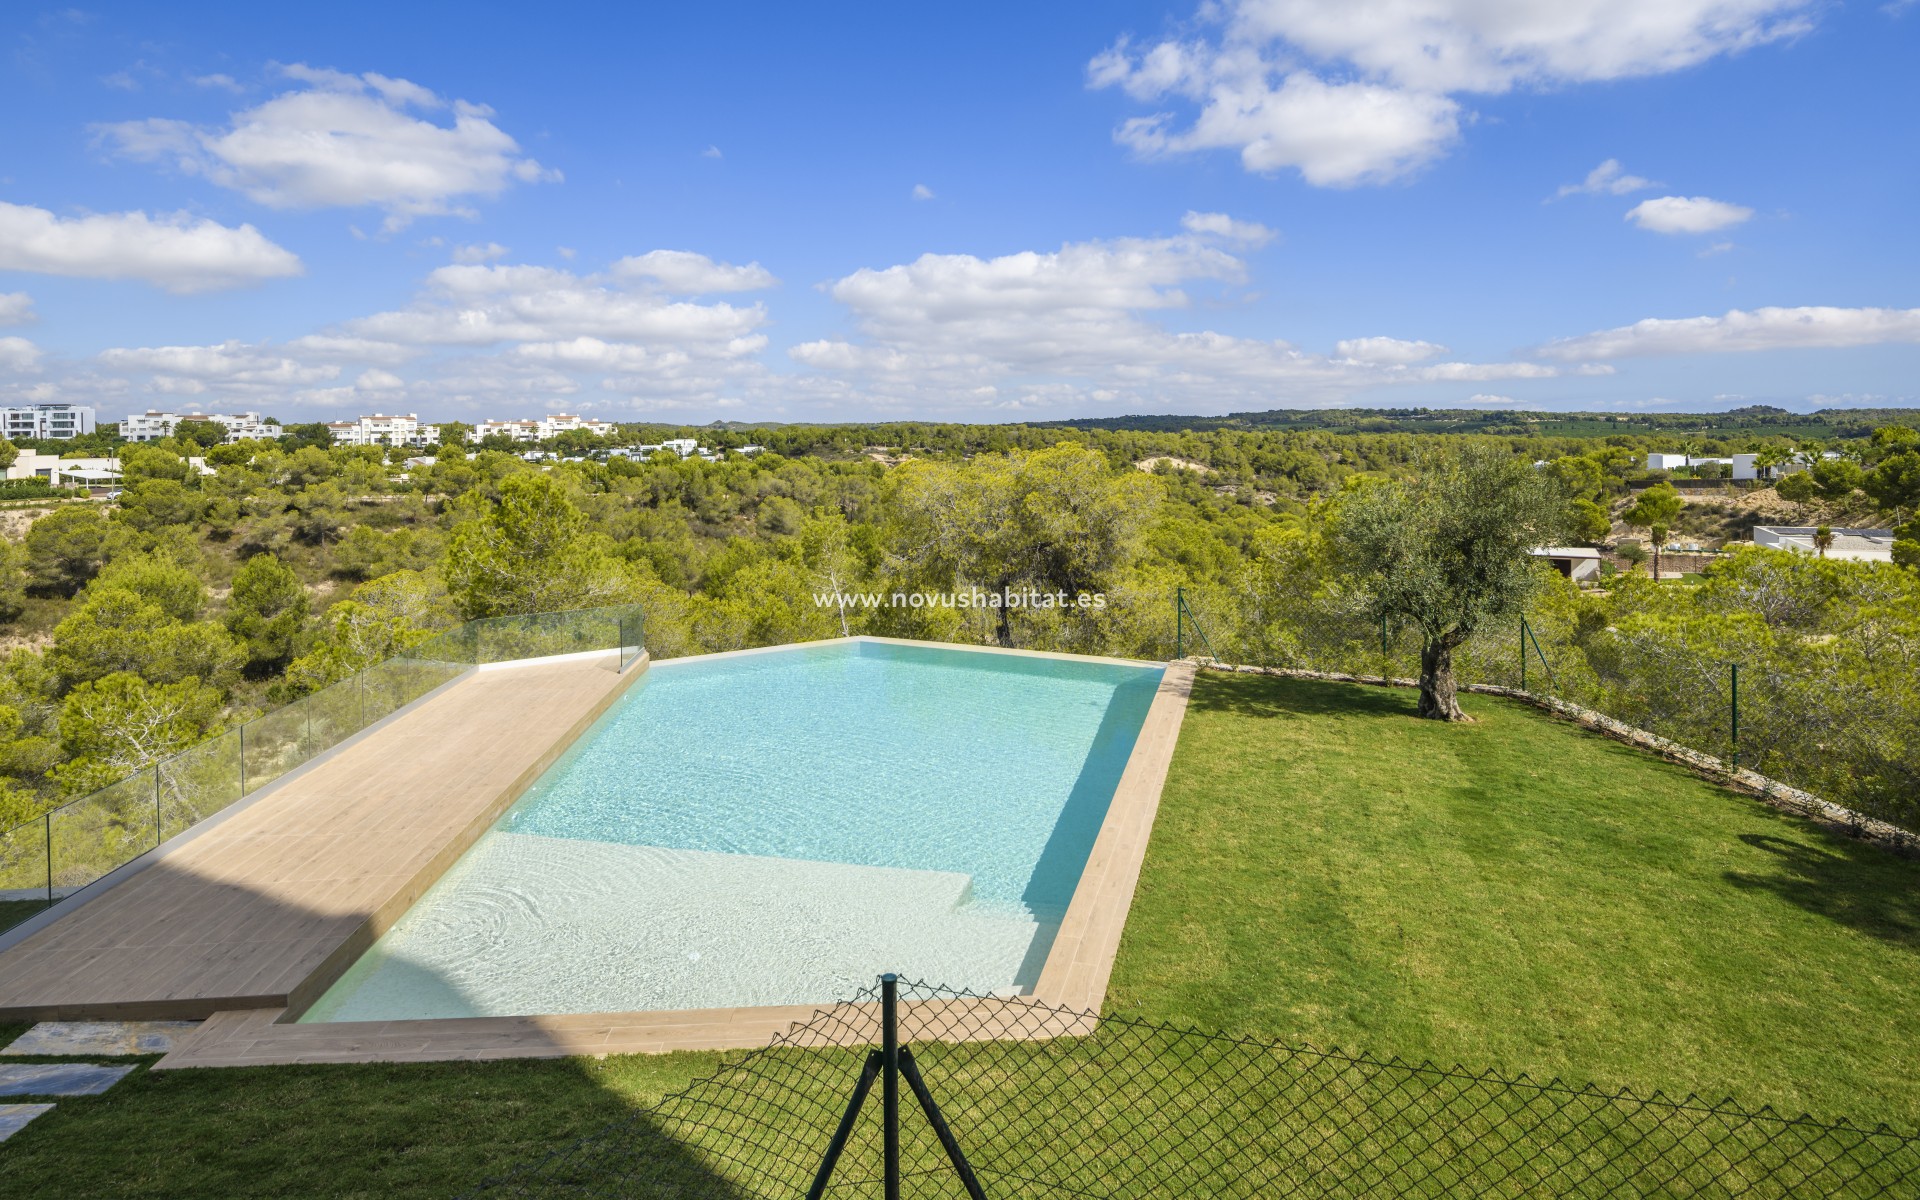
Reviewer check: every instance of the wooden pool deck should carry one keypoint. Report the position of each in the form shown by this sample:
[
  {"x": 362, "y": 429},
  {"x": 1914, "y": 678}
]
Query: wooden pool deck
[{"x": 263, "y": 910}]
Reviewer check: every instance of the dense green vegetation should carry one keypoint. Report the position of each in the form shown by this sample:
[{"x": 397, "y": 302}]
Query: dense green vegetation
[{"x": 1512, "y": 893}]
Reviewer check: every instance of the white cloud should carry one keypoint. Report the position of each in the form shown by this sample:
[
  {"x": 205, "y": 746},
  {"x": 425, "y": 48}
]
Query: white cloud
[
  {"x": 1220, "y": 225},
  {"x": 174, "y": 252},
  {"x": 1068, "y": 330},
  {"x": 1386, "y": 350},
  {"x": 479, "y": 252},
  {"x": 1336, "y": 134},
  {"x": 1686, "y": 214},
  {"x": 16, "y": 308},
  {"x": 343, "y": 140},
  {"x": 225, "y": 83},
  {"x": 685, "y": 273},
  {"x": 1368, "y": 90},
  {"x": 712, "y": 152},
  {"x": 1489, "y": 400},
  {"x": 1609, "y": 178},
  {"x": 18, "y": 354},
  {"x": 379, "y": 381},
  {"x": 237, "y": 367},
  {"x": 1759, "y": 329},
  {"x": 922, "y": 192}
]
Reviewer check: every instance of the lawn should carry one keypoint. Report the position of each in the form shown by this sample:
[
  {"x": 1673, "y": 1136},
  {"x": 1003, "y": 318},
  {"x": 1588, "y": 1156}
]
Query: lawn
[
  {"x": 1519, "y": 894},
  {"x": 1513, "y": 893}
]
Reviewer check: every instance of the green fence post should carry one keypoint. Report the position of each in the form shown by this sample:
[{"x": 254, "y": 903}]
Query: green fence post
[
  {"x": 1734, "y": 697},
  {"x": 1179, "y": 622},
  {"x": 1523, "y": 654}
]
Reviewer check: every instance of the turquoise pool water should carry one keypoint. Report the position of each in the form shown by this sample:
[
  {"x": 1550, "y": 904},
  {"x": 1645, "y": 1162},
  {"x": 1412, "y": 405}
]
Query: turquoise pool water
[{"x": 777, "y": 827}]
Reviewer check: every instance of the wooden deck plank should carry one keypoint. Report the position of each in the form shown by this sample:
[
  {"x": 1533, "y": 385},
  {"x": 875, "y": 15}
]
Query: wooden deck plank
[{"x": 248, "y": 911}]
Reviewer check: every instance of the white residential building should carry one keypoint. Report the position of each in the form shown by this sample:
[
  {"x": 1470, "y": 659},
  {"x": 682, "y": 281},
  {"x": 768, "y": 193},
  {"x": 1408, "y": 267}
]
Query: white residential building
[
  {"x": 519, "y": 431},
  {"x": 1854, "y": 545},
  {"x": 541, "y": 429},
  {"x": 152, "y": 425},
  {"x": 57, "y": 421},
  {"x": 382, "y": 430},
  {"x": 1666, "y": 462}
]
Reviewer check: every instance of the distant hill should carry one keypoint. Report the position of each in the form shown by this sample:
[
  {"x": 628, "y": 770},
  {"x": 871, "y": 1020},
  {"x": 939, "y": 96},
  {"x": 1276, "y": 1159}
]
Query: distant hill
[{"x": 1758, "y": 420}]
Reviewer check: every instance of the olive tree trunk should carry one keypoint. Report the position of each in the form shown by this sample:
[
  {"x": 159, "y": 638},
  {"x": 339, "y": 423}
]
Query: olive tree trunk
[{"x": 1439, "y": 694}]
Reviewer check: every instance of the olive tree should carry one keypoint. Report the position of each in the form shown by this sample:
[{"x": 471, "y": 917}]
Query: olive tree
[{"x": 1447, "y": 552}]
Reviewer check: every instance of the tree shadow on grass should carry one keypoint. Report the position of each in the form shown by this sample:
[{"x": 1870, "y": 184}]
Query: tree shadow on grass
[
  {"x": 1853, "y": 883},
  {"x": 1278, "y": 696}
]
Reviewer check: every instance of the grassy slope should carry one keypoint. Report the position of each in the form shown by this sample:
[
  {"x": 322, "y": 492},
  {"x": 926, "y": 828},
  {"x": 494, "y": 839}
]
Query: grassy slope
[
  {"x": 1517, "y": 894},
  {"x": 1324, "y": 868}
]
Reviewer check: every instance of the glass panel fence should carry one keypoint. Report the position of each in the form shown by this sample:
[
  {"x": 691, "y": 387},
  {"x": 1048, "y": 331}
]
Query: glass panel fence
[
  {"x": 96, "y": 833},
  {"x": 81, "y": 841},
  {"x": 197, "y": 783}
]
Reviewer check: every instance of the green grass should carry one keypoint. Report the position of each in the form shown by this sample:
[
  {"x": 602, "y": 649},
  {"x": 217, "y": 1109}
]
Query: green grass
[
  {"x": 1513, "y": 893},
  {"x": 1519, "y": 894},
  {"x": 12, "y": 912}
]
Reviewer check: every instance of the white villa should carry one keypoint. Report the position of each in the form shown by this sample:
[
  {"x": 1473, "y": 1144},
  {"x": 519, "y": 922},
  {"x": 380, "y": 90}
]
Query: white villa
[{"x": 1853, "y": 545}]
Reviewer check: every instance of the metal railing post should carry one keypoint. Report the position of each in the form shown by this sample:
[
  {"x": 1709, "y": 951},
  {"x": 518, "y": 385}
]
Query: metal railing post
[
  {"x": 890, "y": 1081},
  {"x": 1523, "y": 654},
  {"x": 1734, "y": 697}
]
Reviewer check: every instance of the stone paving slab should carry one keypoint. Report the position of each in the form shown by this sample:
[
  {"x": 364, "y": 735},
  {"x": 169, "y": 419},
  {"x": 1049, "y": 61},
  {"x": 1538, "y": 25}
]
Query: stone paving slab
[
  {"x": 14, "y": 1117},
  {"x": 58, "y": 1079},
  {"x": 101, "y": 1038}
]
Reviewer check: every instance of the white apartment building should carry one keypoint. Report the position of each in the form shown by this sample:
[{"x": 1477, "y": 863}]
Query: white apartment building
[
  {"x": 60, "y": 421},
  {"x": 383, "y": 430},
  {"x": 152, "y": 425},
  {"x": 541, "y": 429}
]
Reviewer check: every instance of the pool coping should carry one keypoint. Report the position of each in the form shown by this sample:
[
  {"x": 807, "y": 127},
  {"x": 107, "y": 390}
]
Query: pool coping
[{"x": 1074, "y": 975}]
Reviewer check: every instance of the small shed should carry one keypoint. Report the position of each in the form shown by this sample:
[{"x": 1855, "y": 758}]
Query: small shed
[{"x": 1578, "y": 563}]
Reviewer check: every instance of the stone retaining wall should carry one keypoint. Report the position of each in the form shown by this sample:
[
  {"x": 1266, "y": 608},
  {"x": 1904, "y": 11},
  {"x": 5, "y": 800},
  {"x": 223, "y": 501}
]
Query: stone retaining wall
[{"x": 1780, "y": 795}]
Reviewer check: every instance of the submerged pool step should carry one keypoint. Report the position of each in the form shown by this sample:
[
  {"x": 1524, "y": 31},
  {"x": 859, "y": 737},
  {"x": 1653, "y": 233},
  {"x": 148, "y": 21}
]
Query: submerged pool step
[{"x": 528, "y": 924}]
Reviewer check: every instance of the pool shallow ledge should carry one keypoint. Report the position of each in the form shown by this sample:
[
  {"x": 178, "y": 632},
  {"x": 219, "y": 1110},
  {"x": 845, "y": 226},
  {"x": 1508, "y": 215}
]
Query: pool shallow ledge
[{"x": 1073, "y": 975}]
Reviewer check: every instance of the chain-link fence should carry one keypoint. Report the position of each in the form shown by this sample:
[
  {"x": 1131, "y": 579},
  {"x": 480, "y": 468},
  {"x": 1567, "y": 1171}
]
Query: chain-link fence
[
  {"x": 1836, "y": 717},
  {"x": 1042, "y": 1102}
]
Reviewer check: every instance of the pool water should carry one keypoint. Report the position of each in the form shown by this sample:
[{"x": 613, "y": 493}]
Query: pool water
[{"x": 777, "y": 827}]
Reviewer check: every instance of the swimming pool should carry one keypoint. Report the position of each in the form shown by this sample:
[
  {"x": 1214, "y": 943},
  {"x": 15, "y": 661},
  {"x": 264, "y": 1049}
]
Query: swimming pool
[{"x": 777, "y": 827}]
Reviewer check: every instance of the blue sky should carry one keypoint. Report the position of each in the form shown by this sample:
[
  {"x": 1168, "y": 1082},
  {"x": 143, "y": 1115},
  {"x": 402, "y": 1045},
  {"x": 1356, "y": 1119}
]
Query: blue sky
[{"x": 986, "y": 212}]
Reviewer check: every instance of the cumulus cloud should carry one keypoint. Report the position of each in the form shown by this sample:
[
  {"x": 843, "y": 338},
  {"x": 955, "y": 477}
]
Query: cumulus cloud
[
  {"x": 1738, "y": 330},
  {"x": 174, "y": 252},
  {"x": 225, "y": 83},
  {"x": 341, "y": 140},
  {"x": 1369, "y": 90},
  {"x": 1686, "y": 214},
  {"x": 1220, "y": 225},
  {"x": 1386, "y": 350},
  {"x": 479, "y": 252},
  {"x": 1082, "y": 326},
  {"x": 686, "y": 273},
  {"x": 16, "y": 308},
  {"x": 922, "y": 192},
  {"x": 18, "y": 354},
  {"x": 1609, "y": 179},
  {"x": 233, "y": 367}
]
